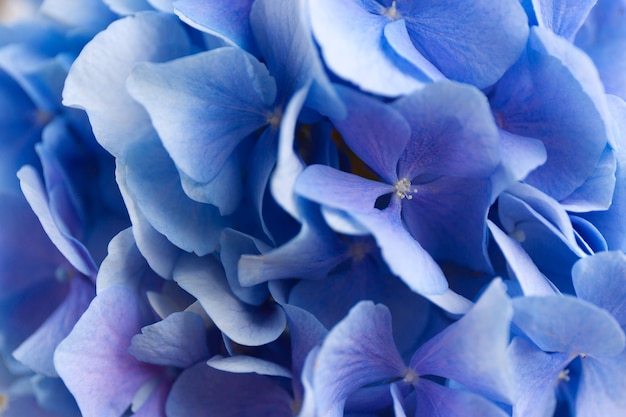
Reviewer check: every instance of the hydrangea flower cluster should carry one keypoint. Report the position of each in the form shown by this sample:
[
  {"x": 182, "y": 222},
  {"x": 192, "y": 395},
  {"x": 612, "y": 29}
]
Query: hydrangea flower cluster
[{"x": 313, "y": 208}]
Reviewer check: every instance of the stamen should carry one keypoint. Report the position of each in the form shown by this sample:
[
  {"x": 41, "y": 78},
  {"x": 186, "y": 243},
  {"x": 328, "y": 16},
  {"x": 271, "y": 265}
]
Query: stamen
[
  {"x": 403, "y": 189},
  {"x": 518, "y": 235},
  {"x": 274, "y": 118},
  {"x": 410, "y": 376},
  {"x": 4, "y": 402},
  {"x": 564, "y": 375},
  {"x": 62, "y": 274},
  {"x": 392, "y": 12}
]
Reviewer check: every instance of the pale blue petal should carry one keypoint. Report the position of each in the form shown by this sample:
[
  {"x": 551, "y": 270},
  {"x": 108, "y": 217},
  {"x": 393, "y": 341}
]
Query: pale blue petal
[
  {"x": 532, "y": 281},
  {"x": 563, "y": 17},
  {"x": 375, "y": 132},
  {"x": 126, "y": 7},
  {"x": 602, "y": 387},
  {"x": 520, "y": 156},
  {"x": 474, "y": 42},
  {"x": 54, "y": 226},
  {"x": 596, "y": 193},
  {"x": 288, "y": 165},
  {"x": 358, "y": 351},
  {"x": 97, "y": 80},
  {"x": 350, "y": 39},
  {"x": 179, "y": 340},
  {"x": 434, "y": 400},
  {"x": 601, "y": 280},
  {"x": 574, "y": 133},
  {"x": 291, "y": 56},
  {"x": 228, "y": 20},
  {"x": 447, "y": 217},
  {"x": 404, "y": 255},
  {"x": 38, "y": 350},
  {"x": 568, "y": 324},
  {"x": 472, "y": 351},
  {"x": 338, "y": 189},
  {"x": 154, "y": 185},
  {"x": 233, "y": 246},
  {"x": 397, "y": 36},
  {"x": 93, "y": 360},
  {"x": 245, "y": 324},
  {"x": 202, "y": 391},
  {"x": 536, "y": 378},
  {"x": 91, "y": 14},
  {"x": 124, "y": 266},
  {"x": 242, "y": 364},
  {"x": 452, "y": 132},
  {"x": 204, "y": 105}
]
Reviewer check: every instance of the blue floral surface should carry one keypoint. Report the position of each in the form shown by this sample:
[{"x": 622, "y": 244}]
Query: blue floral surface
[{"x": 312, "y": 208}]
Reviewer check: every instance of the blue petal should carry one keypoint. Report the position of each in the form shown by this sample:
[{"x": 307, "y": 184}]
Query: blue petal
[
  {"x": 124, "y": 266},
  {"x": 291, "y": 55},
  {"x": 338, "y": 189},
  {"x": 179, "y": 340},
  {"x": 306, "y": 332},
  {"x": 567, "y": 324},
  {"x": 92, "y": 14},
  {"x": 101, "y": 89},
  {"x": 233, "y": 245},
  {"x": 225, "y": 191},
  {"x": 204, "y": 105},
  {"x": 452, "y": 132},
  {"x": 160, "y": 253},
  {"x": 520, "y": 156},
  {"x": 447, "y": 217},
  {"x": 601, "y": 280},
  {"x": 397, "y": 36},
  {"x": 154, "y": 185},
  {"x": 242, "y": 364},
  {"x": 574, "y": 133},
  {"x": 350, "y": 40},
  {"x": 434, "y": 400},
  {"x": 474, "y": 42},
  {"x": 532, "y": 281},
  {"x": 609, "y": 221},
  {"x": 398, "y": 402},
  {"x": 358, "y": 351},
  {"x": 38, "y": 350},
  {"x": 472, "y": 351},
  {"x": 310, "y": 254},
  {"x": 536, "y": 378},
  {"x": 375, "y": 132},
  {"x": 243, "y": 323},
  {"x": 602, "y": 37},
  {"x": 404, "y": 255},
  {"x": 126, "y": 7},
  {"x": 228, "y": 20},
  {"x": 596, "y": 193},
  {"x": 201, "y": 390},
  {"x": 52, "y": 221},
  {"x": 288, "y": 165},
  {"x": 563, "y": 17},
  {"x": 601, "y": 388},
  {"x": 93, "y": 360}
]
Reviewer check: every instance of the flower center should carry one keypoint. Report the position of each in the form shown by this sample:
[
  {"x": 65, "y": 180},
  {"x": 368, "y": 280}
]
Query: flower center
[
  {"x": 4, "y": 402},
  {"x": 404, "y": 190},
  {"x": 63, "y": 274},
  {"x": 410, "y": 376},
  {"x": 274, "y": 118},
  {"x": 392, "y": 12}
]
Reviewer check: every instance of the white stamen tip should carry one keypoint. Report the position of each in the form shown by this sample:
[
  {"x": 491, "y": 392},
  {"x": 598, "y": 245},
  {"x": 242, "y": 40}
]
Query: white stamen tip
[{"x": 404, "y": 190}]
